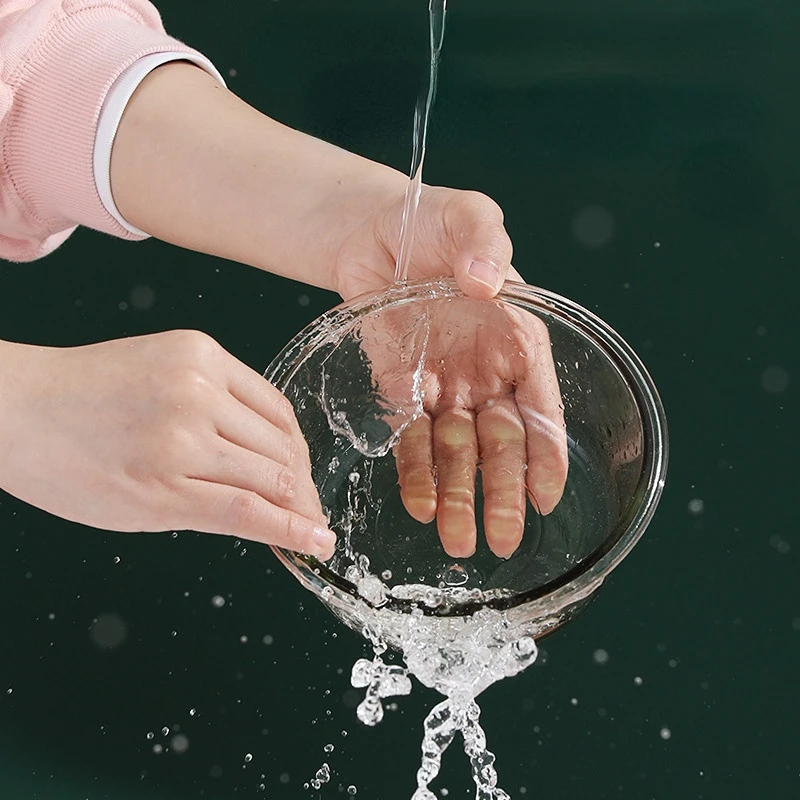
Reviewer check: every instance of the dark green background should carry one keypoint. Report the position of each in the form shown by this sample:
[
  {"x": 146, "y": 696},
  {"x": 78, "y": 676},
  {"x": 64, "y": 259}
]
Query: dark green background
[{"x": 680, "y": 117}]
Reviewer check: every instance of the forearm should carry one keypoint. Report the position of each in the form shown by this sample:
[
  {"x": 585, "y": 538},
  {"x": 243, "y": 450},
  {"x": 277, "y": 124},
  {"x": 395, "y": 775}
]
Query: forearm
[{"x": 195, "y": 165}]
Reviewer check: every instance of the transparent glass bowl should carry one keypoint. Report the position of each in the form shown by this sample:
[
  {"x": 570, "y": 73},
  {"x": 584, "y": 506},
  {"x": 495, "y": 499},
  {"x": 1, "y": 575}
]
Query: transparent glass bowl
[{"x": 359, "y": 374}]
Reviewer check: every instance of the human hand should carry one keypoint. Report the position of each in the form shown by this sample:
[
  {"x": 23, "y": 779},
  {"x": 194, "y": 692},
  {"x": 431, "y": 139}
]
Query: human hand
[
  {"x": 458, "y": 234},
  {"x": 154, "y": 433},
  {"x": 487, "y": 398}
]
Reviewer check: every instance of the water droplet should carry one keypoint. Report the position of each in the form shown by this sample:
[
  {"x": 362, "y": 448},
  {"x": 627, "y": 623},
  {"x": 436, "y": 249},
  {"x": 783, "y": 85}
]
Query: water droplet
[
  {"x": 600, "y": 656},
  {"x": 108, "y": 631},
  {"x": 696, "y": 506},
  {"x": 593, "y": 227},
  {"x": 665, "y": 733},
  {"x": 774, "y": 379},
  {"x": 217, "y": 601}
]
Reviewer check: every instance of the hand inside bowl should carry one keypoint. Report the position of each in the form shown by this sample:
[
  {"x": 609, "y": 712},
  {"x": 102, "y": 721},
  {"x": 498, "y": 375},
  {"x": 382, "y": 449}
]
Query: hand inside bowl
[{"x": 490, "y": 400}]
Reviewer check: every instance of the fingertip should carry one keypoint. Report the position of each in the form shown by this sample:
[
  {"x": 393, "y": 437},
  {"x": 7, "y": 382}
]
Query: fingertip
[
  {"x": 546, "y": 496},
  {"x": 456, "y": 548},
  {"x": 482, "y": 279},
  {"x": 422, "y": 509},
  {"x": 323, "y": 543}
]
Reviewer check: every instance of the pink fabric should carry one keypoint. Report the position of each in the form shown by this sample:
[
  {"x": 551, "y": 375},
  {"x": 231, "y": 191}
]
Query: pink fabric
[{"x": 58, "y": 59}]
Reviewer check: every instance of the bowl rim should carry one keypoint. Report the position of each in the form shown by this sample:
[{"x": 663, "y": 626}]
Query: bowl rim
[{"x": 584, "y": 577}]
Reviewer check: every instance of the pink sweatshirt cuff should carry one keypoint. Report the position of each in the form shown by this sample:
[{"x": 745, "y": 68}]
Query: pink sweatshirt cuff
[{"x": 51, "y": 127}]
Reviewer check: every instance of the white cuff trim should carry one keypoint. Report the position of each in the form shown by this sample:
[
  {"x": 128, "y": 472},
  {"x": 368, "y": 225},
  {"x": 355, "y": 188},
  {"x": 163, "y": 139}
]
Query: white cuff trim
[{"x": 111, "y": 114}]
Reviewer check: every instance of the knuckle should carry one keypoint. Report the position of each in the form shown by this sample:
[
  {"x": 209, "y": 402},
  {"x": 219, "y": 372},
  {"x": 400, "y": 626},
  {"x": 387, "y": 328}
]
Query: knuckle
[
  {"x": 195, "y": 346},
  {"x": 283, "y": 485},
  {"x": 190, "y": 385},
  {"x": 294, "y": 451},
  {"x": 284, "y": 411},
  {"x": 245, "y": 512},
  {"x": 482, "y": 206}
]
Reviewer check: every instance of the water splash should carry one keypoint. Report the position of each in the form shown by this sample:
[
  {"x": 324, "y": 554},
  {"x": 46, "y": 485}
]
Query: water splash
[
  {"x": 436, "y": 16},
  {"x": 457, "y": 656}
]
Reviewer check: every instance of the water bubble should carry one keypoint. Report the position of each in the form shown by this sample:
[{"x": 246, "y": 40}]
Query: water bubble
[
  {"x": 108, "y": 631},
  {"x": 386, "y": 574},
  {"x": 165, "y": 731},
  {"x": 351, "y": 790},
  {"x": 142, "y": 297},
  {"x": 323, "y": 775},
  {"x": 696, "y": 506},
  {"x": 454, "y": 575},
  {"x": 117, "y": 559},
  {"x": 217, "y": 601},
  {"x": 150, "y": 734},
  {"x": 248, "y": 758},
  {"x": 774, "y": 379},
  {"x": 192, "y": 712},
  {"x": 665, "y": 733},
  {"x": 328, "y": 748},
  {"x": 780, "y": 544},
  {"x": 593, "y": 227},
  {"x": 600, "y": 656}
]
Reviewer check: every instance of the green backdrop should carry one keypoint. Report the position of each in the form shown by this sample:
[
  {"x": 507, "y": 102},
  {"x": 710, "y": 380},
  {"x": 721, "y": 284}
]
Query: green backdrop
[{"x": 679, "y": 119}]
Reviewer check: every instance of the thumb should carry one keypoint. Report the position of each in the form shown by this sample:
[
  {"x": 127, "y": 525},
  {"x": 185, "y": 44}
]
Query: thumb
[{"x": 481, "y": 244}]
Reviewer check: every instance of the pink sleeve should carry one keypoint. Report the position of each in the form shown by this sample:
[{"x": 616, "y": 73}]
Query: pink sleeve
[{"x": 58, "y": 60}]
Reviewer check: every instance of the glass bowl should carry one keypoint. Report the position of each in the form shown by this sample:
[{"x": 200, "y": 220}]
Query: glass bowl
[{"x": 361, "y": 374}]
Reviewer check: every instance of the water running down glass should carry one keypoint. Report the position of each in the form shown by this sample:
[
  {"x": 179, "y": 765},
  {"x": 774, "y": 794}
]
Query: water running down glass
[{"x": 436, "y": 16}]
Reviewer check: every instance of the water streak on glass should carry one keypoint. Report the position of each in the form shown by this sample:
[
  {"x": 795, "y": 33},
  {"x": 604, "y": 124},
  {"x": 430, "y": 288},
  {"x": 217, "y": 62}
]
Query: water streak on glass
[{"x": 436, "y": 16}]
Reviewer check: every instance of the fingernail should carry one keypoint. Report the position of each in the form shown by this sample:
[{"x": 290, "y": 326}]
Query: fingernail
[
  {"x": 485, "y": 273},
  {"x": 325, "y": 540}
]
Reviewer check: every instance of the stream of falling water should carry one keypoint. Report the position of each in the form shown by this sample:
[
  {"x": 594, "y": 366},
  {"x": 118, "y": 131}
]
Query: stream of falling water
[
  {"x": 457, "y": 656},
  {"x": 437, "y": 10}
]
